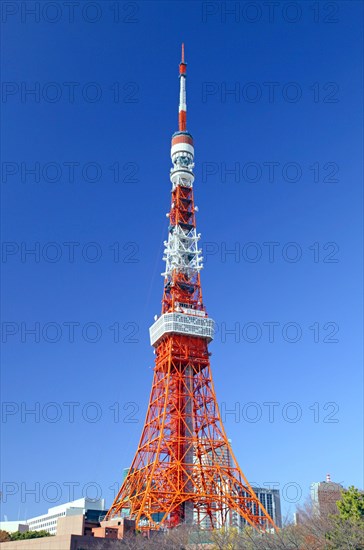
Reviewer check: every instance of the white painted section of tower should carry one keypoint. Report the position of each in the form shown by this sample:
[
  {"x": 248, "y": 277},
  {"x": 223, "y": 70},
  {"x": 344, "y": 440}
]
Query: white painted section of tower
[
  {"x": 182, "y": 148},
  {"x": 181, "y": 252},
  {"x": 182, "y": 177},
  {"x": 182, "y": 94}
]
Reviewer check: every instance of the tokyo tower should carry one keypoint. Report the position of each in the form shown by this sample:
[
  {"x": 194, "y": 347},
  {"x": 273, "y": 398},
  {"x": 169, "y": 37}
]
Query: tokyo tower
[{"x": 184, "y": 470}]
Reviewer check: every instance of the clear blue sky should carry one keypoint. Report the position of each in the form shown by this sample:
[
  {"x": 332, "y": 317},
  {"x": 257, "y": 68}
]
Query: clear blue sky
[{"x": 297, "y": 76}]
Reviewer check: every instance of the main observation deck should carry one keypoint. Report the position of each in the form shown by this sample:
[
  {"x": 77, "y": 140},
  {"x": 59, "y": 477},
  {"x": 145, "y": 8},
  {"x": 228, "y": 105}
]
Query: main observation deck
[{"x": 181, "y": 323}]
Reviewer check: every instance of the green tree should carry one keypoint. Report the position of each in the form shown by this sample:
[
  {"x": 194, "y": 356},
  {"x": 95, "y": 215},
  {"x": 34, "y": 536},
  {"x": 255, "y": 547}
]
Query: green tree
[
  {"x": 351, "y": 506},
  {"x": 347, "y": 527},
  {"x": 29, "y": 535}
]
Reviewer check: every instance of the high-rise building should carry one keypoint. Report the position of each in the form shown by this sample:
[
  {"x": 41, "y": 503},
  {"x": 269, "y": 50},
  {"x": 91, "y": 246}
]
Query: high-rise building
[
  {"x": 324, "y": 496},
  {"x": 271, "y": 500}
]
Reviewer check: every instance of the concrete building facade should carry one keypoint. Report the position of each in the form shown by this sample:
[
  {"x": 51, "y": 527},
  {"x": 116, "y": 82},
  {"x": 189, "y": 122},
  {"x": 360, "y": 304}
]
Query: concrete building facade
[{"x": 63, "y": 542}]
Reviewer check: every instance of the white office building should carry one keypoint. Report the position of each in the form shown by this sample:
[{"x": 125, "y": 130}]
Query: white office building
[{"x": 48, "y": 522}]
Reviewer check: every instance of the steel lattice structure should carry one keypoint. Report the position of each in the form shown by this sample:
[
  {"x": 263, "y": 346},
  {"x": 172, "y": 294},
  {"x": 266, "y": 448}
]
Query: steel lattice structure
[{"x": 184, "y": 470}]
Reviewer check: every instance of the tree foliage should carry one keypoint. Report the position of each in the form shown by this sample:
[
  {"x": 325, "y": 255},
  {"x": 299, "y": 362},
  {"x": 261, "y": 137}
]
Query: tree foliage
[
  {"x": 351, "y": 505},
  {"x": 4, "y": 536},
  {"x": 29, "y": 535}
]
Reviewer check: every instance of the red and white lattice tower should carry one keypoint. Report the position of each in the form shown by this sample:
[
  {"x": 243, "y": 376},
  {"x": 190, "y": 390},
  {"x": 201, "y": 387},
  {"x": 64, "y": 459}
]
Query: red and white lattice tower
[{"x": 184, "y": 470}]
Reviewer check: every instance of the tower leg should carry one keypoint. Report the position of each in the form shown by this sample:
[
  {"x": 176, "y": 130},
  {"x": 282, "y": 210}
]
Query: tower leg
[
  {"x": 184, "y": 470},
  {"x": 189, "y": 454}
]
